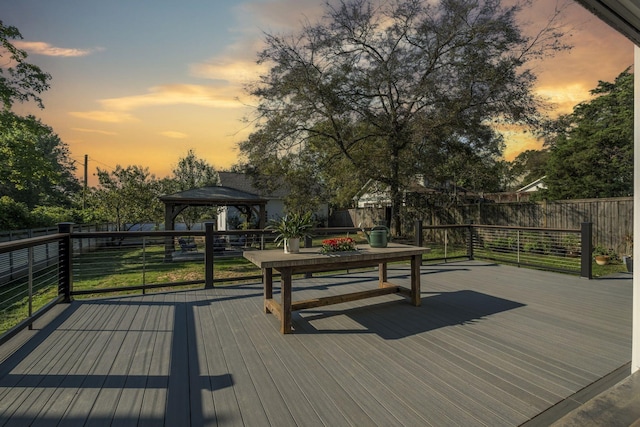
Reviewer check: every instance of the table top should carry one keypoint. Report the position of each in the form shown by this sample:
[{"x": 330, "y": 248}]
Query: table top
[{"x": 275, "y": 258}]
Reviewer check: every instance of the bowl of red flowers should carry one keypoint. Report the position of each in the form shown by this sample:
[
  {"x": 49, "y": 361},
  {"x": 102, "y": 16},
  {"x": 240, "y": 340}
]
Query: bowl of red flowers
[{"x": 338, "y": 244}]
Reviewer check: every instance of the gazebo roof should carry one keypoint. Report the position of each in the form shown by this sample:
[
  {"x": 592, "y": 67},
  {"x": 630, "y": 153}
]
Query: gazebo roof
[{"x": 214, "y": 195}]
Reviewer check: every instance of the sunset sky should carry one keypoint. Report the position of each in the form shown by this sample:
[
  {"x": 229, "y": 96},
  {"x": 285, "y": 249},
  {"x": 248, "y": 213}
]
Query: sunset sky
[{"x": 140, "y": 82}]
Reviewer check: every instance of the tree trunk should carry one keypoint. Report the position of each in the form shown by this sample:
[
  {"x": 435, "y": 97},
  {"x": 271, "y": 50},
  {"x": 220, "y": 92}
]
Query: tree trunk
[
  {"x": 396, "y": 222},
  {"x": 396, "y": 194}
]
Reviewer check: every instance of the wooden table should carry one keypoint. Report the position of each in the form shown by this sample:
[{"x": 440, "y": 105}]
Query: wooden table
[{"x": 311, "y": 260}]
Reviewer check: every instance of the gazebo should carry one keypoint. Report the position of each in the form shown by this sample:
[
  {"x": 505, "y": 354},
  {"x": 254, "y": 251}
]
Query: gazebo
[{"x": 212, "y": 196}]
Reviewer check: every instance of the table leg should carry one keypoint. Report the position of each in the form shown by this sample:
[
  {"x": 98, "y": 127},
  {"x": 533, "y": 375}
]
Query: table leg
[
  {"x": 285, "y": 300},
  {"x": 382, "y": 274},
  {"x": 416, "y": 261},
  {"x": 267, "y": 280}
]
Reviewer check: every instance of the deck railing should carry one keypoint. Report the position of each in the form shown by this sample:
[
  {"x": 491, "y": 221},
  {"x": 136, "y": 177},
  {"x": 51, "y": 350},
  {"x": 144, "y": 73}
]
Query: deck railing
[
  {"x": 561, "y": 250},
  {"x": 30, "y": 281},
  {"x": 37, "y": 273}
]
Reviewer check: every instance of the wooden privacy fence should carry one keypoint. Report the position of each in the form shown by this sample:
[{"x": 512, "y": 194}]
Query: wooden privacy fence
[{"x": 612, "y": 218}]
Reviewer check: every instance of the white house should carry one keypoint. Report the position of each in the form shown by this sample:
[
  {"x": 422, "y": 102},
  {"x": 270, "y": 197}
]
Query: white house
[
  {"x": 536, "y": 185},
  {"x": 375, "y": 194}
]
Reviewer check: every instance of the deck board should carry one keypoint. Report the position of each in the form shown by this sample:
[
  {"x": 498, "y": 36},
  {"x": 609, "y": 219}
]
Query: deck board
[
  {"x": 226, "y": 408},
  {"x": 367, "y": 359},
  {"x": 314, "y": 378},
  {"x": 308, "y": 375},
  {"x": 490, "y": 345},
  {"x": 152, "y": 409},
  {"x": 129, "y": 403},
  {"x": 434, "y": 367}
]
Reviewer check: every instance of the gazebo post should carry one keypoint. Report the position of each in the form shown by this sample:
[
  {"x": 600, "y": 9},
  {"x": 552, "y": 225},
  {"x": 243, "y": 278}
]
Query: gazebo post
[
  {"x": 263, "y": 216},
  {"x": 168, "y": 226},
  {"x": 208, "y": 254}
]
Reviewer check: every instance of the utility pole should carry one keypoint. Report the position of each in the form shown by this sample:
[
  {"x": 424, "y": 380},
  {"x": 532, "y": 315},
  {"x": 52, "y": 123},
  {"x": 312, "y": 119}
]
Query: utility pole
[
  {"x": 86, "y": 168},
  {"x": 84, "y": 190}
]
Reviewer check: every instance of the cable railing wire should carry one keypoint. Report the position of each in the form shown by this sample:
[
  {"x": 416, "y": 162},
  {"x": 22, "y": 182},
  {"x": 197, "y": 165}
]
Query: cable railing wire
[{"x": 38, "y": 272}]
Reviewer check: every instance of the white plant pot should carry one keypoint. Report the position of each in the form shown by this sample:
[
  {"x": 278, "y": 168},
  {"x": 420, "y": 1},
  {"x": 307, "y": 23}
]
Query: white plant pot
[{"x": 292, "y": 245}]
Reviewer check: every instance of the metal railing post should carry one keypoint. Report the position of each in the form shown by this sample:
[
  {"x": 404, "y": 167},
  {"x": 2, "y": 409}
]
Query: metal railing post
[
  {"x": 418, "y": 232},
  {"x": 30, "y": 262},
  {"x": 144, "y": 263},
  {"x": 586, "y": 248},
  {"x": 208, "y": 255},
  {"x": 470, "y": 241},
  {"x": 65, "y": 262},
  {"x": 446, "y": 244}
]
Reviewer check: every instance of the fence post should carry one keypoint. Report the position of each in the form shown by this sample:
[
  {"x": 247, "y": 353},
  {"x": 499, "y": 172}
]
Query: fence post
[
  {"x": 586, "y": 248},
  {"x": 470, "y": 240},
  {"x": 208, "y": 254},
  {"x": 65, "y": 261}
]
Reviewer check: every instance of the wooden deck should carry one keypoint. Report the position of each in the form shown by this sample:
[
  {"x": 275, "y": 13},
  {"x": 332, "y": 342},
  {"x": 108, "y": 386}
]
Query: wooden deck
[{"x": 490, "y": 345}]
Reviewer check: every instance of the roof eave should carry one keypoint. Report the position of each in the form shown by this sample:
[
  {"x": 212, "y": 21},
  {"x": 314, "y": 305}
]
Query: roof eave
[{"x": 622, "y": 15}]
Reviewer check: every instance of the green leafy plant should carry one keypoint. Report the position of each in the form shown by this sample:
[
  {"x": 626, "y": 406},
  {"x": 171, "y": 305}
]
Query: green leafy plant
[
  {"x": 291, "y": 226},
  {"x": 607, "y": 252}
]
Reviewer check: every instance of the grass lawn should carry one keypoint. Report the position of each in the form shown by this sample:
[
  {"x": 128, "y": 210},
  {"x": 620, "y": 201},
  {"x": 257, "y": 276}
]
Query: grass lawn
[{"x": 547, "y": 261}]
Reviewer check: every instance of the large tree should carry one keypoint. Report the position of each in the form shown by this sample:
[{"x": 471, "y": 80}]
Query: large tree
[
  {"x": 128, "y": 197},
  {"x": 36, "y": 167},
  {"x": 591, "y": 150},
  {"x": 394, "y": 89},
  {"x": 193, "y": 172},
  {"x": 19, "y": 80}
]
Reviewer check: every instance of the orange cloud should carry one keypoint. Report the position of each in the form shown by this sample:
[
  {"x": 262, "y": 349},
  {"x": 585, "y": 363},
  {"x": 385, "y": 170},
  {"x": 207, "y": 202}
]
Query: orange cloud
[
  {"x": 204, "y": 96},
  {"x": 104, "y": 116},
  {"x": 563, "y": 98},
  {"x": 174, "y": 134},
  {"x": 101, "y": 132},
  {"x": 42, "y": 48},
  {"x": 116, "y": 109},
  {"x": 229, "y": 69},
  {"x": 519, "y": 142}
]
